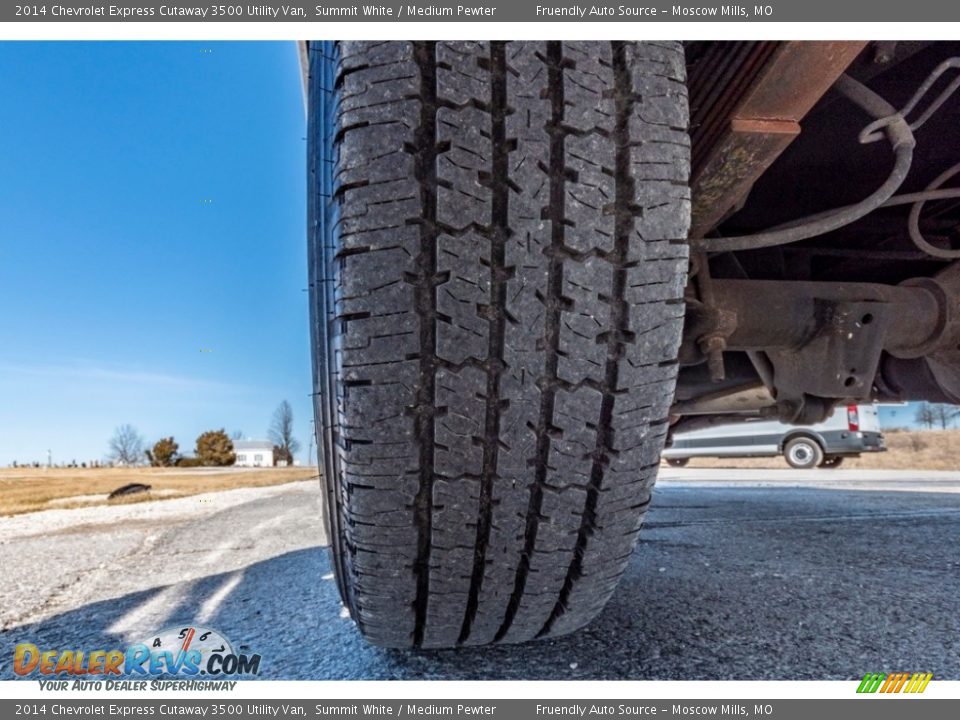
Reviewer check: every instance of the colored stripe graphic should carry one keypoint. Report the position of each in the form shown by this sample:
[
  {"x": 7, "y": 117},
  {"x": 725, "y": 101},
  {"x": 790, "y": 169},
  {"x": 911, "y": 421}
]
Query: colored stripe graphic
[
  {"x": 900, "y": 681},
  {"x": 913, "y": 683},
  {"x": 870, "y": 682},
  {"x": 894, "y": 683}
]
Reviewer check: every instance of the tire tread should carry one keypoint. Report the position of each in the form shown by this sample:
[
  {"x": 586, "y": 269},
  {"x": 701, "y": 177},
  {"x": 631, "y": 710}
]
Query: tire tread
[{"x": 507, "y": 265}]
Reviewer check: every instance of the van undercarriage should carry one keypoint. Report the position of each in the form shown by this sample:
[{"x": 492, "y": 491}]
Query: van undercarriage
[{"x": 802, "y": 294}]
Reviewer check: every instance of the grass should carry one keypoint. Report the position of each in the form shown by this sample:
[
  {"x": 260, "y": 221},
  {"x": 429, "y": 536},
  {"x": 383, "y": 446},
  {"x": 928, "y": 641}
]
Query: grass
[
  {"x": 27, "y": 489},
  {"x": 906, "y": 450}
]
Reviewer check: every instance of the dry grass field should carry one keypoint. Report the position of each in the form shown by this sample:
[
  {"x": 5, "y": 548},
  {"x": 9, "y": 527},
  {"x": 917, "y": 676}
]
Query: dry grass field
[
  {"x": 28, "y": 489},
  {"x": 906, "y": 450}
]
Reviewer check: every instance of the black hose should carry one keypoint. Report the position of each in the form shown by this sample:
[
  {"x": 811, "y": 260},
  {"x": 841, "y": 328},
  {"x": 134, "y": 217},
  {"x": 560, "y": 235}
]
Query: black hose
[{"x": 901, "y": 140}]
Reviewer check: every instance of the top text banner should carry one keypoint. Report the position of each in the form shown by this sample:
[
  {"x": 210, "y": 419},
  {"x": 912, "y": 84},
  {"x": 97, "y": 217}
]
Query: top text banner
[{"x": 491, "y": 11}]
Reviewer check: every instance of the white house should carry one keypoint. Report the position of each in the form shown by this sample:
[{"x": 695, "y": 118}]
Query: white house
[{"x": 253, "y": 453}]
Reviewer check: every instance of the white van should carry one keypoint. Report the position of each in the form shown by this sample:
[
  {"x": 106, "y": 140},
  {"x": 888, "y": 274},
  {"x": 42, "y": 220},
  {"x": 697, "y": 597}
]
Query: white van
[{"x": 849, "y": 431}]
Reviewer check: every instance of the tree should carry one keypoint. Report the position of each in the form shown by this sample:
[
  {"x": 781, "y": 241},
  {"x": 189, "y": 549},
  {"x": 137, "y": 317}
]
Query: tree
[
  {"x": 281, "y": 457},
  {"x": 236, "y": 435},
  {"x": 943, "y": 414},
  {"x": 126, "y": 445},
  {"x": 164, "y": 453},
  {"x": 285, "y": 445},
  {"x": 925, "y": 416},
  {"x": 214, "y": 447}
]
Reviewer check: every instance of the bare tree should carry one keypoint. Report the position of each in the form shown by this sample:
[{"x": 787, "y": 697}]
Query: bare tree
[
  {"x": 281, "y": 433},
  {"x": 944, "y": 414},
  {"x": 126, "y": 445},
  {"x": 236, "y": 435},
  {"x": 925, "y": 416}
]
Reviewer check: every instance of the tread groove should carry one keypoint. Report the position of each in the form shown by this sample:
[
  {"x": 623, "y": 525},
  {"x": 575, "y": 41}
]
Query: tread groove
[
  {"x": 497, "y": 318},
  {"x": 425, "y": 300}
]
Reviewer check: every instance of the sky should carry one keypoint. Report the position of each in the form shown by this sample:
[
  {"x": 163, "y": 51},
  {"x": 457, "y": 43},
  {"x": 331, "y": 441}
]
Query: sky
[
  {"x": 898, "y": 416},
  {"x": 152, "y": 244}
]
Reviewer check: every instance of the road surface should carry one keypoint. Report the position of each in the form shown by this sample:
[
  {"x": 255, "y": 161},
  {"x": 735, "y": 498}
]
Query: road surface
[{"x": 740, "y": 574}]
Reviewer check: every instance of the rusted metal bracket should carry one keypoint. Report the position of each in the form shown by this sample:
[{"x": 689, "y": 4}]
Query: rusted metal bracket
[{"x": 846, "y": 351}]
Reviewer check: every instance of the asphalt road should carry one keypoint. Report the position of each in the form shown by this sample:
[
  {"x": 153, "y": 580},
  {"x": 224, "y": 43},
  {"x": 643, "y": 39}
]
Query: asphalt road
[{"x": 738, "y": 575}]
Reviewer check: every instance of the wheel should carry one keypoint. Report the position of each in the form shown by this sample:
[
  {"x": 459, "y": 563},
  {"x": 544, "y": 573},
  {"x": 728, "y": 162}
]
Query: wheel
[
  {"x": 497, "y": 259},
  {"x": 832, "y": 461},
  {"x": 678, "y": 462},
  {"x": 803, "y": 453}
]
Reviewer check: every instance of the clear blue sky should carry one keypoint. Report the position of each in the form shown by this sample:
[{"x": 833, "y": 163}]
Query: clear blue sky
[
  {"x": 899, "y": 416},
  {"x": 152, "y": 243}
]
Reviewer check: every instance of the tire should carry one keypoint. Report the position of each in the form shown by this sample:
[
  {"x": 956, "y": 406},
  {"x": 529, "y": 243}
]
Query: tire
[
  {"x": 678, "y": 462},
  {"x": 832, "y": 461},
  {"x": 803, "y": 453},
  {"x": 497, "y": 259}
]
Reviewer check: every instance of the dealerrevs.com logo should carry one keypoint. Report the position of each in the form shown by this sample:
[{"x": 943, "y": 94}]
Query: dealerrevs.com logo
[{"x": 177, "y": 651}]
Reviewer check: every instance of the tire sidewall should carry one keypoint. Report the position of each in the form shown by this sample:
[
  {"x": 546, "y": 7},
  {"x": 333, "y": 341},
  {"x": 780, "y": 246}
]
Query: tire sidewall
[{"x": 323, "y": 222}]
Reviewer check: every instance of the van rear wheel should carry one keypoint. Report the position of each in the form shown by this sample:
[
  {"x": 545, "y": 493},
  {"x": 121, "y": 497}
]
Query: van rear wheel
[{"x": 803, "y": 453}]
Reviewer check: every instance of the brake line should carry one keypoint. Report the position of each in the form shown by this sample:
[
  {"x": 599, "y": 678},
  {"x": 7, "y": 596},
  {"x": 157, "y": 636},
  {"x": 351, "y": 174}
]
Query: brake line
[
  {"x": 902, "y": 142},
  {"x": 913, "y": 222}
]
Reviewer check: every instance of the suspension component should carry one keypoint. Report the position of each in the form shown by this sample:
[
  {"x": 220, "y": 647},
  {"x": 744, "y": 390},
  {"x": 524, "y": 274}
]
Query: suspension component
[{"x": 819, "y": 342}]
